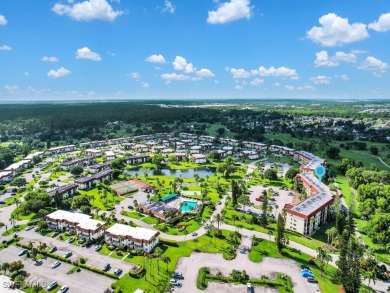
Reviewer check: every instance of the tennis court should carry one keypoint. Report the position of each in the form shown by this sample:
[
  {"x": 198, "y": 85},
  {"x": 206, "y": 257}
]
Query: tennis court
[{"x": 129, "y": 186}]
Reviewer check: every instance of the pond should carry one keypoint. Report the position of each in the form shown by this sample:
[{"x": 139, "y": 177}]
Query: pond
[{"x": 187, "y": 173}]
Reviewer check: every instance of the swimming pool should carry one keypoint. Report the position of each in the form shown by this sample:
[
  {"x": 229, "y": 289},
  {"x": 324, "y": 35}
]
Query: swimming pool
[{"x": 188, "y": 206}]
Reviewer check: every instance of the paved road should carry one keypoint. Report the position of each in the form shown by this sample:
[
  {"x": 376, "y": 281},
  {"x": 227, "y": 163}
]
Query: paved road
[
  {"x": 84, "y": 281},
  {"x": 234, "y": 288}
]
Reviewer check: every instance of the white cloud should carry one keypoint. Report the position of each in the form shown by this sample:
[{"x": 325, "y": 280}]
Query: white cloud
[
  {"x": 277, "y": 84},
  {"x": 238, "y": 87},
  {"x": 216, "y": 81},
  {"x": 134, "y": 75},
  {"x": 61, "y": 72},
  {"x": 49, "y": 59},
  {"x": 26, "y": 74},
  {"x": 88, "y": 10},
  {"x": 289, "y": 87},
  {"x": 11, "y": 89},
  {"x": 204, "y": 72},
  {"x": 230, "y": 11},
  {"x": 238, "y": 73},
  {"x": 324, "y": 60},
  {"x": 320, "y": 79},
  {"x": 305, "y": 87},
  {"x": 3, "y": 20},
  {"x": 144, "y": 84},
  {"x": 382, "y": 25},
  {"x": 156, "y": 59},
  {"x": 111, "y": 54},
  {"x": 336, "y": 31},
  {"x": 86, "y": 53},
  {"x": 91, "y": 93},
  {"x": 174, "y": 76},
  {"x": 168, "y": 7},
  {"x": 342, "y": 77},
  {"x": 257, "y": 81},
  {"x": 375, "y": 65},
  {"x": 5, "y": 48},
  {"x": 277, "y": 72},
  {"x": 181, "y": 64}
]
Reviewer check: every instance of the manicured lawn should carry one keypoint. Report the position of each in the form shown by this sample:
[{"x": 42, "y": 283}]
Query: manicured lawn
[
  {"x": 150, "y": 220},
  {"x": 133, "y": 215},
  {"x": 100, "y": 203},
  {"x": 178, "y": 229},
  {"x": 15, "y": 229},
  {"x": 157, "y": 280},
  {"x": 104, "y": 250},
  {"x": 268, "y": 248}
]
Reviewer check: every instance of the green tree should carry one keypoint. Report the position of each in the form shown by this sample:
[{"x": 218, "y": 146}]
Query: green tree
[
  {"x": 77, "y": 170},
  {"x": 158, "y": 160},
  {"x": 264, "y": 210},
  {"x": 244, "y": 201},
  {"x": 280, "y": 238},
  {"x": 291, "y": 173},
  {"x": 167, "y": 260},
  {"x": 270, "y": 174},
  {"x": 323, "y": 258}
]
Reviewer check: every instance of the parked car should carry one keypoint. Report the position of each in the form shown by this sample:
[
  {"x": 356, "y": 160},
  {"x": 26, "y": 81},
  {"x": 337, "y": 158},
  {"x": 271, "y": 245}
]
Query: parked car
[
  {"x": 305, "y": 267},
  {"x": 36, "y": 229},
  {"x": 70, "y": 240},
  {"x": 63, "y": 289},
  {"x": 2, "y": 202},
  {"x": 56, "y": 264},
  {"x": 177, "y": 275},
  {"x": 118, "y": 272},
  {"x": 54, "y": 248},
  {"x": 311, "y": 280},
  {"x": 97, "y": 248},
  {"x": 175, "y": 282},
  {"x": 290, "y": 193},
  {"x": 248, "y": 287},
  {"x": 259, "y": 199},
  {"x": 28, "y": 228},
  {"x": 52, "y": 285},
  {"x": 106, "y": 267},
  {"x": 55, "y": 234},
  {"x": 130, "y": 207},
  {"x": 272, "y": 199},
  {"x": 194, "y": 233},
  {"x": 219, "y": 202},
  {"x": 68, "y": 254},
  {"x": 22, "y": 252}
]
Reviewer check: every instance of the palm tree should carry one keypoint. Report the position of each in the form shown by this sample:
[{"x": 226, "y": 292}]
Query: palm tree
[
  {"x": 253, "y": 239},
  {"x": 218, "y": 220},
  {"x": 12, "y": 219},
  {"x": 185, "y": 232},
  {"x": 167, "y": 260},
  {"x": 270, "y": 233},
  {"x": 235, "y": 218},
  {"x": 157, "y": 253}
]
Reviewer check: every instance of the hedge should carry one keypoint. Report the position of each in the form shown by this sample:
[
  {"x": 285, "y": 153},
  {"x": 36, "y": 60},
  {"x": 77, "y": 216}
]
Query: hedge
[
  {"x": 169, "y": 242},
  {"x": 137, "y": 273}
]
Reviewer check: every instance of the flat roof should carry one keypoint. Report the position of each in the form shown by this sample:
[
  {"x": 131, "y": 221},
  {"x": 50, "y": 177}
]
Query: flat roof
[
  {"x": 168, "y": 197},
  {"x": 134, "y": 232},
  {"x": 62, "y": 189},
  {"x": 83, "y": 221}
]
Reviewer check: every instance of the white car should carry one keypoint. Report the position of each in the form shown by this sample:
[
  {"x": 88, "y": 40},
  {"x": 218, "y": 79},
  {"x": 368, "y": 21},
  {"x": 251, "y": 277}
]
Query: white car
[
  {"x": 63, "y": 289},
  {"x": 56, "y": 264}
]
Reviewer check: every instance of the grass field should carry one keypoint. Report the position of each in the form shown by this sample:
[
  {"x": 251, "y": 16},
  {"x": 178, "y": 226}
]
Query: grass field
[
  {"x": 268, "y": 248},
  {"x": 158, "y": 273},
  {"x": 212, "y": 130},
  {"x": 98, "y": 202}
]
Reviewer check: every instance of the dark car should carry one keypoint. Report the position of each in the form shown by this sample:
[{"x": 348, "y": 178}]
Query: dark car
[
  {"x": 106, "y": 267},
  {"x": 53, "y": 249},
  {"x": 311, "y": 280},
  {"x": 130, "y": 207},
  {"x": 304, "y": 267}
]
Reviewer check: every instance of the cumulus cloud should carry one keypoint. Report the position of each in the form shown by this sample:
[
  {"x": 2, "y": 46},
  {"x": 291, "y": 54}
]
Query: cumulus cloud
[
  {"x": 88, "y": 10},
  {"x": 337, "y": 31},
  {"x": 156, "y": 59},
  {"x": 230, "y": 11},
  {"x": 342, "y": 77},
  {"x": 320, "y": 79},
  {"x": 49, "y": 59},
  {"x": 276, "y": 72},
  {"x": 134, "y": 75},
  {"x": 174, "y": 76},
  {"x": 305, "y": 87},
  {"x": 86, "y": 53},
  {"x": 324, "y": 60},
  {"x": 3, "y": 20},
  {"x": 238, "y": 73},
  {"x": 11, "y": 89},
  {"x": 373, "y": 64},
  {"x": 204, "y": 72},
  {"x": 289, "y": 87},
  {"x": 5, "y": 48},
  {"x": 61, "y": 72},
  {"x": 257, "y": 81},
  {"x": 238, "y": 87},
  {"x": 144, "y": 84},
  {"x": 382, "y": 24},
  {"x": 168, "y": 7},
  {"x": 181, "y": 64}
]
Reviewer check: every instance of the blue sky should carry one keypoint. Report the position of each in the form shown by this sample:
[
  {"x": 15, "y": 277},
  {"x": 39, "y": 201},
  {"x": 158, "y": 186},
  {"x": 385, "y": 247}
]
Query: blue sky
[{"x": 186, "y": 49}]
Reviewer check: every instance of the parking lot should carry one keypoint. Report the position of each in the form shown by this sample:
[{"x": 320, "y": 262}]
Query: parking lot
[
  {"x": 280, "y": 200},
  {"x": 94, "y": 258},
  {"x": 234, "y": 288},
  {"x": 83, "y": 281},
  {"x": 280, "y": 168}
]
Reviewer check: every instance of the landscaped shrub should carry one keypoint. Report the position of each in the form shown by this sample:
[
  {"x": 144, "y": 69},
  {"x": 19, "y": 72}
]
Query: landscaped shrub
[
  {"x": 137, "y": 273},
  {"x": 110, "y": 247},
  {"x": 168, "y": 242}
]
